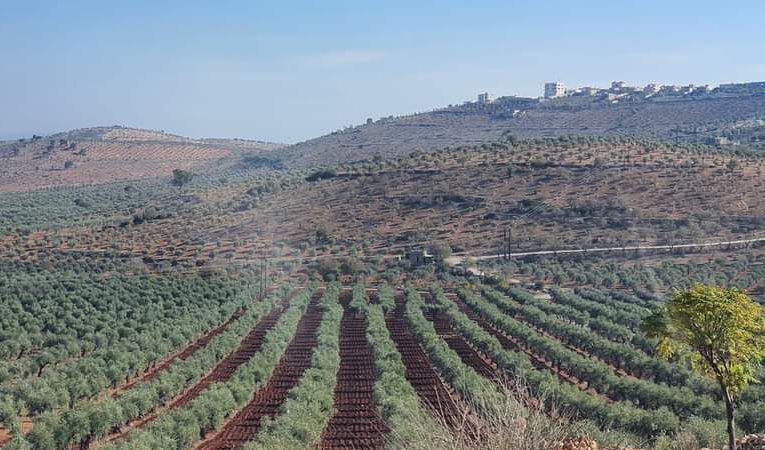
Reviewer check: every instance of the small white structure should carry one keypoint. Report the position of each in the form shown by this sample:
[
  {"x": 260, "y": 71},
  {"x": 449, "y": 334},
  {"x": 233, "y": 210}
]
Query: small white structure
[
  {"x": 651, "y": 88},
  {"x": 617, "y": 85},
  {"x": 555, "y": 89},
  {"x": 485, "y": 98}
]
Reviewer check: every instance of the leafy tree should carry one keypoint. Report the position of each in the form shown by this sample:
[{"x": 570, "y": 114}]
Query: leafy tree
[
  {"x": 323, "y": 234},
  {"x": 182, "y": 177},
  {"x": 319, "y": 175},
  {"x": 511, "y": 170},
  {"x": 441, "y": 251},
  {"x": 329, "y": 269},
  {"x": 721, "y": 331}
]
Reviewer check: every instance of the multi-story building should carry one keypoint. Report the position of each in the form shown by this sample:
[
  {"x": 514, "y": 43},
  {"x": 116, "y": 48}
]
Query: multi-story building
[
  {"x": 589, "y": 91},
  {"x": 555, "y": 89},
  {"x": 742, "y": 88},
  {"x": 617, "y": 85},
  {"x": 669, "y": 89},
  {"x": 651, "y": 88},
  {"x": 485, "y": 98}
]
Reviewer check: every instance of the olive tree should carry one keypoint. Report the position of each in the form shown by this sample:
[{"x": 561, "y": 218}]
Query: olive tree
[
  {"x": 720, "y": 331},
  {"x": 182, "y": 177}
]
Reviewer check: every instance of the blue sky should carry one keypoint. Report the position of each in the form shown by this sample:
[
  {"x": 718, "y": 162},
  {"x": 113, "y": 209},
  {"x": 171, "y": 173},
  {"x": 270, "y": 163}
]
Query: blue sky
[{"x": 288, "y": 71}]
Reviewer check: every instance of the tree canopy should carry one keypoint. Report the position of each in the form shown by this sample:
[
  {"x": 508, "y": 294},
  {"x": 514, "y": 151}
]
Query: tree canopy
[
  {"x": 720, "y": 331},
  {"x": 182, "y": 177}
]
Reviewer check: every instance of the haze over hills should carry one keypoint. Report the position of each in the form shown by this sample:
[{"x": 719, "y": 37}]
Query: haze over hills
[
  {"x": 546, "y": 266},
  {"x": 731, "y": 115},
  {"x": 254, "y": 213}
]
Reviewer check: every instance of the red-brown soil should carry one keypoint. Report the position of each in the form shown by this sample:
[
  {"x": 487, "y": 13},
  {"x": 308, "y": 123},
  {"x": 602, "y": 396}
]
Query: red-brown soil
[
  {"x": 245, "y": 424},
  {"x": 355, "y": 424}
]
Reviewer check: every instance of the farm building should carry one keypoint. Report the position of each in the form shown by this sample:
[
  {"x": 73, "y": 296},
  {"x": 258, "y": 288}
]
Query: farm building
[{"x": 419, "y": 257}]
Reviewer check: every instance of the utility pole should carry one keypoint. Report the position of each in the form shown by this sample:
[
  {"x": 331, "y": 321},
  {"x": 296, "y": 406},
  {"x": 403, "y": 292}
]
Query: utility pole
[
  {"x": 260, "y": 281},
  {"x": 265, "y": 279},
  {"x": 507, "y": 238}
]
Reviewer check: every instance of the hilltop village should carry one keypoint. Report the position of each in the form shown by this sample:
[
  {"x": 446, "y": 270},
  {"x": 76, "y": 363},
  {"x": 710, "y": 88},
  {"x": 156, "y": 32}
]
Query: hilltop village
[{"x": 620, "y": 92}]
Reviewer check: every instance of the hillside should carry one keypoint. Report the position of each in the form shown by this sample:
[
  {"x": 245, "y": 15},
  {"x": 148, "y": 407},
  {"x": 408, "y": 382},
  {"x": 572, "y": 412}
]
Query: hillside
[
  {"x": 92, "y": 156},
  {"x": 228, "y": 281},
  {"x": 552, "y": 193},
  {"x": 104, "y": 154},
  {"x": 694, "y": 118}
]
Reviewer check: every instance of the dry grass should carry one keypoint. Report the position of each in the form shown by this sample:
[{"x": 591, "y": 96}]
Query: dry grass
[
  {"x": 516, "y": 424},
  {"x": 521, "y": 423}
]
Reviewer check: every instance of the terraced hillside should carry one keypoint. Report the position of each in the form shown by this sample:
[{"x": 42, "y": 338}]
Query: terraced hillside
[
  {"x": 552, "y": 193},
  {"x": 103, "y": 155},
  {"x": 691, "y": 120}
]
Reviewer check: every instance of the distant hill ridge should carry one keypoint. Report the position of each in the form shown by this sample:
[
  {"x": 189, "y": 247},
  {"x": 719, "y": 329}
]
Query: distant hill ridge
[
  {"x": 102, "y": 155},
  {"x": 709, "y": 116},
  {"x": 119, "y": 133}
]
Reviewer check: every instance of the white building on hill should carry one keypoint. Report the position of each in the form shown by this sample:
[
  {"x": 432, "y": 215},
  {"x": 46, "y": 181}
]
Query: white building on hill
[
  {"x": 555, "y": 89},
  {"x": 485, "y": 98}
]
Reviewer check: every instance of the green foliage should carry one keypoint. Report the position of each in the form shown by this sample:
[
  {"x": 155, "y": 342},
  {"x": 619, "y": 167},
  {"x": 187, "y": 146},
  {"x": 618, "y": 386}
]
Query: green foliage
[
  {"x": 308, "y": 408},
  {"x": 742, "y": 271},
  {"x": 68, "y": 337},
  {"x": 319, "y": 175},
  {"x": 92, "y": 420},
  {"x": 358, "y": 299},
  {"x": 9, "y": 417},
  {"x": 441, "y": 250},
  {"x": 722, "y": 331},
  {"x": 180, "y": 428},
  {"x": 182, "y": 177},
  {"x": 474, "y": 389},
  {"x": 620, "y": 415},
  {"x": 594, "y": 316},
  {"x": 681, "y": 400},
  {"x": 385, "y": 298},
  {"x": 396, "y": 399},
  {"x": 511, "y": 171},
  {"x": 324, "y": 236}
]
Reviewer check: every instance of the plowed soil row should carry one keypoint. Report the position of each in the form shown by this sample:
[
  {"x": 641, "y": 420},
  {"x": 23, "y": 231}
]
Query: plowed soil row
[
  {"x": 245, "y": 424},
  {"x": 456, "y": 342},
  {"x": 466, "y": 353},
  {"x": 188, "y": 351},
  {"x": 355, "y": 423},
  {"x": 430, "y": 388},
  {"x": 512, "y": 344},
  {"x": 154, "y": 371},
  {"x": 222, "y": 372},
  {"x": 618, "y": 371}
]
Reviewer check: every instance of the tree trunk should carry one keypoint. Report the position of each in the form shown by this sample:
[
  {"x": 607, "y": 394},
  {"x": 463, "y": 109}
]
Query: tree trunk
[{"x": 729, "y": 408}]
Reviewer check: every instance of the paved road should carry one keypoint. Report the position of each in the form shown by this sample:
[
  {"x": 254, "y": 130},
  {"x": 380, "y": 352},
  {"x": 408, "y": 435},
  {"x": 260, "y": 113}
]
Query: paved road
[{"x": 459, "y": 259}]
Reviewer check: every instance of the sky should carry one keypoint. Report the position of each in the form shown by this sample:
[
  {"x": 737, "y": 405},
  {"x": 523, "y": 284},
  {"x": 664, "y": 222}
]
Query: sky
[{"x": 286, "y": 71}]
